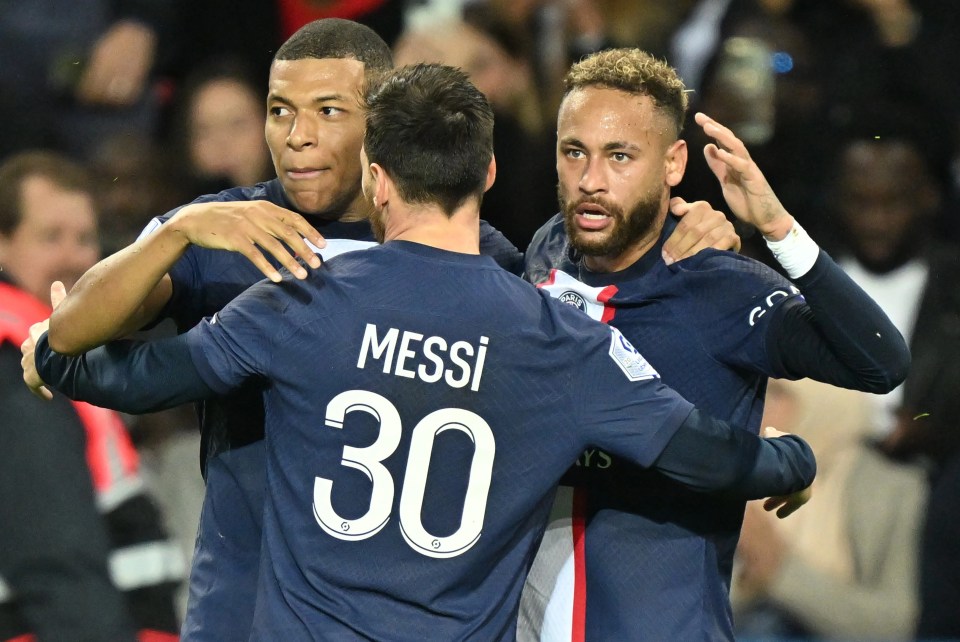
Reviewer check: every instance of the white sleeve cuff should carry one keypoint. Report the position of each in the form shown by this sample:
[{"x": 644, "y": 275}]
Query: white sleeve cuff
[{"x": 796, "y": 252}]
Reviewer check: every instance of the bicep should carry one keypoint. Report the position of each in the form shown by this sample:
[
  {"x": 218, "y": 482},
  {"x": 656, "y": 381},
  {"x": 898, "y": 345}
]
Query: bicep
[{"x": 151, "y": 309}]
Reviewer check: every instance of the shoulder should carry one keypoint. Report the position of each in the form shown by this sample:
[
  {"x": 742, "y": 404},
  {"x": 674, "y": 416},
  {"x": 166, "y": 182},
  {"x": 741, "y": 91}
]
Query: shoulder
[
  {"x": 721, "y": 269},
  {"x": 495, "y": 245},
  {"x": 259, "y": 192}
]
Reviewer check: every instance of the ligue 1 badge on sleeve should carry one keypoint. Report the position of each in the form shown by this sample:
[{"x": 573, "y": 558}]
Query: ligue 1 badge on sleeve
[{"x": 629, "y": 358}]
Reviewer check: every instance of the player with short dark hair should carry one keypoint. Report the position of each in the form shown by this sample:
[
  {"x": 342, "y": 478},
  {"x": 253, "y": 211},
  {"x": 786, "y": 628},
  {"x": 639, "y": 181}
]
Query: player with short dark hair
[
  {"x": 314, "y": 129},
  {"x": 421, "y": 402},
  {"x": 630, "y": 554}
]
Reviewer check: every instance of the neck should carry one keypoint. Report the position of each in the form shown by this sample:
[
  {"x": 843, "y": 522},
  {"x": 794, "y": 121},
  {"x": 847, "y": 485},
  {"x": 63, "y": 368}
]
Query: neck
[{"x": 430, "y": 225}]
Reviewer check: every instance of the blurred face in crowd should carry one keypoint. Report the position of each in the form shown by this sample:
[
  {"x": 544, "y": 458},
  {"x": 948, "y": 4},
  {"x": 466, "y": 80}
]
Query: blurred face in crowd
[
  {"x": 886, "y": 198},
  {"x": 56, "y": 239},
  {"x": 490, "y": 68},
  {"x": 226, "y": 138},
  {"x": 314, "y": 130},
  {"x": 617, "y": 158}
]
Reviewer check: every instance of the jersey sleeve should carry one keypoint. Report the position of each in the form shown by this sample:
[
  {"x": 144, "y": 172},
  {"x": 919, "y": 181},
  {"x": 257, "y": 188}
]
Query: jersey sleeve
[
  {"x": 203, "y": 280},
  {"x": 623, "y": 406},
  {"x": 837, "y": 334},
  {"x": 238, "y": 342},
  {"x": 731, "y": 302},
  {"x": 185, "y": 305},
  {"x": 546, "y": 250}
]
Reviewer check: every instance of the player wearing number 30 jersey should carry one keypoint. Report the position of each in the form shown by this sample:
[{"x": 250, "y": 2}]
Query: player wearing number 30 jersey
[
  {"x": 421, "y": 406},
  {"x": 422, "y": 403}
]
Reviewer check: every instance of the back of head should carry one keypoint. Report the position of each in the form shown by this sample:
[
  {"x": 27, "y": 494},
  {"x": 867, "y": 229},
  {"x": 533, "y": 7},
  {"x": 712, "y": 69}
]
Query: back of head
[
  {"x": 431, "y": 130},
  {"x": 636, "y": 72},
  {"x": 59, "y": 170},
  {"x": 338, "y": 38}
]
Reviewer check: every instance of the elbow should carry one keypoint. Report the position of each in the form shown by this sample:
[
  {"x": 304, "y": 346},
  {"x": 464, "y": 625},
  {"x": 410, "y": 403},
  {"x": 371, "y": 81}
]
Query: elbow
[
  {"x": 899, "y": 369},
  {"x": 891, "y": 374},
  {"x": 58, "y": 336}
]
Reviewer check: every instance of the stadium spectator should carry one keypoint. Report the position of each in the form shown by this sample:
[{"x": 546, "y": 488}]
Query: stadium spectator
[
  {"x": 886, "y": 200},
  {"x": 218, "y": 129},
  {"x": 75, "y": 73},
  {"x": 845, "y": 567},
  {"x": 72, "y": 502},
  {"x": 630, "y": 554}
]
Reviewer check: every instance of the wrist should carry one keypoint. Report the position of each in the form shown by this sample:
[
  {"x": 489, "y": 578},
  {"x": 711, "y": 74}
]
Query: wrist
[
  {"x": 778, "y": 229},
  {"x": 796, "y": 252}
]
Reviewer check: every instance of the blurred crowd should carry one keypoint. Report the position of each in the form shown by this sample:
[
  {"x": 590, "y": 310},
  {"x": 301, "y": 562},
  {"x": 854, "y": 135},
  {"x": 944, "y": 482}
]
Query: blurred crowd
[{"x": 849, "y": 107}]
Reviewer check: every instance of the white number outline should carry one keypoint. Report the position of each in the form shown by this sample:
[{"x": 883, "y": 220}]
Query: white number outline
[{"x": 369, "y": 461}]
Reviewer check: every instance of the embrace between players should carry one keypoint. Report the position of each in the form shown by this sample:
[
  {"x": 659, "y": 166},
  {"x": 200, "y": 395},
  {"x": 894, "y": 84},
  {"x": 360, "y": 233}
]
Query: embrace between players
[{"x": 384, "y": 432}]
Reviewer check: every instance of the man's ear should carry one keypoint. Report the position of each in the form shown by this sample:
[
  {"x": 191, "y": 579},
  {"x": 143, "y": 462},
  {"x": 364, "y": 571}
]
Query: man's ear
[
  {"x": 382, "y": 185},
  {"x": 675, "y": 162},
  {"x": 491, "y": 173}
]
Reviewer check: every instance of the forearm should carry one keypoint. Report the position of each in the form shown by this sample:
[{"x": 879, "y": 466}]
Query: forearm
[
  {"x": 130, "y": 376},
  {"x": 709, "y": 455},
  {"x": 119, "y": 294},
  {"x": 844, "y": 338}
]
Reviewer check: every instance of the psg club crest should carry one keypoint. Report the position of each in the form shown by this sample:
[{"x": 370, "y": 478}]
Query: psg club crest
[{"x": 572, "y": 298}]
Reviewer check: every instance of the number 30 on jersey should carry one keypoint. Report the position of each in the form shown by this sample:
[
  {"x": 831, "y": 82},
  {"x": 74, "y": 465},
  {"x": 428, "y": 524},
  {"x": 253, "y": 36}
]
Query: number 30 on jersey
[{"x": 369, "y": 460}]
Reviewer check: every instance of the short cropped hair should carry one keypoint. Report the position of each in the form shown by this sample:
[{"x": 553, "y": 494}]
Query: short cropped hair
[
  {"x": 338, "y": 38},
  {"x": 633, "y": 71},
  {"x": 56, "y": 168},
  {"x": 432, "y": 132}
]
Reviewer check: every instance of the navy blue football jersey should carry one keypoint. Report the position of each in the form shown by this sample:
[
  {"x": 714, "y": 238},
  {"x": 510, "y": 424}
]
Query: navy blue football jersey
[
  {"x": 205, "y": 280},
  {"x": 415, "y": 433},
  {"x": 223, "y": 577},
  {"x": 629, "y": 554}
]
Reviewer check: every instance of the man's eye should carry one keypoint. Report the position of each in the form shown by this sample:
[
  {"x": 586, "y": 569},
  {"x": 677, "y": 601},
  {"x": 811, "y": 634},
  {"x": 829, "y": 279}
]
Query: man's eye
[
  {"x": 330, "y": 111},
  {"x": 620, "y": 157},
  {"x": 279, "y": 111},
  {"x": 574, "y": 153}
]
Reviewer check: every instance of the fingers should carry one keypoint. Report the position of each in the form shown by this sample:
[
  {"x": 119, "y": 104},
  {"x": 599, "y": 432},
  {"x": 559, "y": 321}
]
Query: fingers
[
  {"x": 252, "y": 226},
  {"x": 30, "y": 375},
  {"x": 788, "y": 509},
  {"x": 40, "y": 391},
  {"x": 786, "y": 505},
  {"x": 700, "y": 228},
  {"x": 58, "y": 292},
  {"x": 292, "y": 229},
  {"x": 769, "y": 432},
  {"x": 260, "y": 261},
  {"x": 279, "y": 252},
  {"x": 724, "y": 136}
]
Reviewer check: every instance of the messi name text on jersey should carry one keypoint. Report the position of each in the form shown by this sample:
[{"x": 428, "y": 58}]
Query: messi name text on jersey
[{"x": 457, "y": 364}]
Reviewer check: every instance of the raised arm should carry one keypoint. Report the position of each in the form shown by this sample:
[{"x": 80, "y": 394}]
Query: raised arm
[
  {"x": 127, "y": 290},
  {"x": 841, "y": 336}
]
